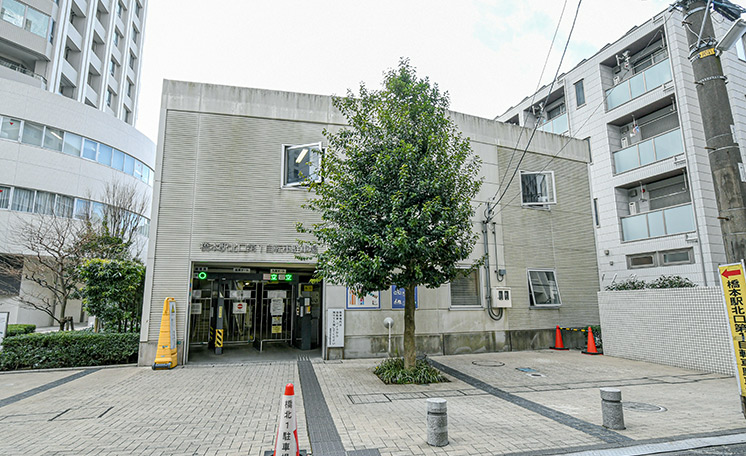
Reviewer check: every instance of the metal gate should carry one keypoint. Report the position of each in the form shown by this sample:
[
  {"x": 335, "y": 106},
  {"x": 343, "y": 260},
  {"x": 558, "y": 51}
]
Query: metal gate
[{"x": 276, "y": 314}]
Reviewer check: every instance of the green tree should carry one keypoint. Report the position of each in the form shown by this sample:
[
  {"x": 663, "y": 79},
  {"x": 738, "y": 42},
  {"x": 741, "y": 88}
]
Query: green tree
[
  {"x": 112, "y": 291},
  {"x": 395, "y": 193}
]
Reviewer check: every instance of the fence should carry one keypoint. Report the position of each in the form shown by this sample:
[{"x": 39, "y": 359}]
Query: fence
[{"x": 682, "y": 327}]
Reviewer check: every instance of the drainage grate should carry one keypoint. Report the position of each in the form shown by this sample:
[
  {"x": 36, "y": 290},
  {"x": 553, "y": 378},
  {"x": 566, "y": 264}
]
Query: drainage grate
[{"x": 643, "y": 407}]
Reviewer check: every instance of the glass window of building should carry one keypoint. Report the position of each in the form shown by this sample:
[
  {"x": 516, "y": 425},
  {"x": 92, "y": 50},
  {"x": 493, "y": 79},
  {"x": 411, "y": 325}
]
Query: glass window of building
[
  {"x": 117, "y": 160},
  {"x": 543, "y": 288},
  {"x": 465, "y": 290},
  {"x": 44, "y": 203},
  {"x": 33, "y": 134},
  {"x": 537, "y": 189},
  {"x": 117, "y": 37},
  {"x": 109, "y": 97},
  {"x": 53, "y": 139},
  {"x": 138, "y": 169},
  {"x": 104, "y": 154},
  {"x": 63, "y": 207},
  {"x": 301, "y": 163},
  {"x": 73, "y": 144},
  {"x": 97, "y": 211},
  {"x": 145, "y": 174},
  {"x": 10, "y": 128},
  {"x": 4, "y": 197},
  {"x": 129, "y": 164},
  {"x": 120, "y": 8},
  {"x": 23, "y": 200},
  {"x": 36, "y": 22},
  {"x": 89, "y": 149},
  {"x": 13, "y": 11},
  {"x": 11, "y": 269},
  {"x": 676, "y": 257},
  {"x": 135, "y": 34},
  {"x": 579, "y": 93},
  {"x": 82, "y": 209},
  {"x": 112, "y": 67}
]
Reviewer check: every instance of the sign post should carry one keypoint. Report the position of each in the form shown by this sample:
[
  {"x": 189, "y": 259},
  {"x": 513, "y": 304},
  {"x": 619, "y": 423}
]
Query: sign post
[
  {"x": 4, "y": 317},
  {"x": 733, "y": 284}
]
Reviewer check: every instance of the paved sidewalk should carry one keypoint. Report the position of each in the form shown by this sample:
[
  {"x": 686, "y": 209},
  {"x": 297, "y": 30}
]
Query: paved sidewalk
[{"x": 551, "y": 406}]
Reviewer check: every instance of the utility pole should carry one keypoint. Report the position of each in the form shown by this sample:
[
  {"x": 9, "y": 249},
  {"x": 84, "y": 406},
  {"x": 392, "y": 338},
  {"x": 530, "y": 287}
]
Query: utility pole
[{"x": 717, "y": 120}]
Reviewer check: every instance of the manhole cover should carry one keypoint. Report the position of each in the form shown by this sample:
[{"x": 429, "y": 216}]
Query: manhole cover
[
  {"x": 642, "y": 407},
  {"x": 488, "y": 363}
]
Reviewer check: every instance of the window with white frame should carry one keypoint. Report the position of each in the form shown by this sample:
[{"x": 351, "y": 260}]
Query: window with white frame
[
  {"x": 300, "y": 163},
  {"x": 660, "y": 258},
  {"x": 465, "y": 290},
  {"x": 542, "y": 288},
  {"x": 537, "y": 189},
  {"x": 4, "y": 197}
]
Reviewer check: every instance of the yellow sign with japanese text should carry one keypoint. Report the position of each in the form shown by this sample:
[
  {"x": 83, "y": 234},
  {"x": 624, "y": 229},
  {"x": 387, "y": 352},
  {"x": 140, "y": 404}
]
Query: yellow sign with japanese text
[
  {"x": 734, "y": 286},
  {"x": 706, "y": 52}
]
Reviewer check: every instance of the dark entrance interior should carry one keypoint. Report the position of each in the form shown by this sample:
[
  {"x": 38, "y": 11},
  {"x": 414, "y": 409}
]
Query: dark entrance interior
[{"x": 246, "y": 313}]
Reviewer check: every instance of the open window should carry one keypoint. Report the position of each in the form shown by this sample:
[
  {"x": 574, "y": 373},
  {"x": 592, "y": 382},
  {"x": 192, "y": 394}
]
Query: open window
[
  {"x": 542, "y": 288},
  {"x": 537, "y": 189},
  {"x": 300, "y": 163}
]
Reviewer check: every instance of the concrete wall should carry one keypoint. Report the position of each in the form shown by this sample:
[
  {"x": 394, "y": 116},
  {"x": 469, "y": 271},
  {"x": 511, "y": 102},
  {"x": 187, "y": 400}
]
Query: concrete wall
[
  {"x": 218, "y": 179},
  {"x": 685, "y": 327}
]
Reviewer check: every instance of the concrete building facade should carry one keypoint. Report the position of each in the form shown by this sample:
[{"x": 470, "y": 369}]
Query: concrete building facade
[
  {"x": 69, "y": 79},
  {"x": 635, "y": 102},
  {"x": 223, "y": 240}
]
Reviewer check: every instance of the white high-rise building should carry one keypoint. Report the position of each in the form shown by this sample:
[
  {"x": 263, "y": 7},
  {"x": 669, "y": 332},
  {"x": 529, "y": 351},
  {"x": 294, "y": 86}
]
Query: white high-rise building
[
  {"x": 69, "y": 80},
  {"x": 635, "y": 102}
]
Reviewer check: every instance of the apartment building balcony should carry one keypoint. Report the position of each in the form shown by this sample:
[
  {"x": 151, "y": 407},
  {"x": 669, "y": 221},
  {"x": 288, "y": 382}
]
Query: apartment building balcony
[
  {"x": 558, "y": 125},
  {"x": 649, "y": 151},
  {"x": 98, "y": 27},
  {"x": 639, "y": 84},
  {"x": 74, "y": 37},
  {"x": 91, "y": 96},
  {"x": 662, "y": 222},
  {"x": 15, "y": 72}
]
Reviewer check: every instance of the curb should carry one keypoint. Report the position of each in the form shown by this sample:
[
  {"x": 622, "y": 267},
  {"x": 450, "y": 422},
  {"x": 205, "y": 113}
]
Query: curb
[{"x": 64, "y": 369}]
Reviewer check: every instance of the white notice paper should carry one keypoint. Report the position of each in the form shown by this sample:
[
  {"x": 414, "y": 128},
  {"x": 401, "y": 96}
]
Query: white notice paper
[{"x": 277, "y": 306}]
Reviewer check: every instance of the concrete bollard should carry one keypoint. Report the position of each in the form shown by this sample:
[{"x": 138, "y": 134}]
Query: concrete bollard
[
  {"x": 437, "y": 422},
  {"x": 611, "y": 408}
]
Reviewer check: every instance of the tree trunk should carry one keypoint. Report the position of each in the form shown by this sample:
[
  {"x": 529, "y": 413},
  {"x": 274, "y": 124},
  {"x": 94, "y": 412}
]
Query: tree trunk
[{"x": 409, "y": 348}]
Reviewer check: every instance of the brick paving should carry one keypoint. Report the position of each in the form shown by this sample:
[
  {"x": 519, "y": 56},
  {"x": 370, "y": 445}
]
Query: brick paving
[{"x": 233, "y": 409}]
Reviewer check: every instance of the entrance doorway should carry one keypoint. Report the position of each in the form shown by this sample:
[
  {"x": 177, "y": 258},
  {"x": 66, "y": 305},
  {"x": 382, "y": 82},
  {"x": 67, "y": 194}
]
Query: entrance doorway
[{"x": 240, "y": 313}]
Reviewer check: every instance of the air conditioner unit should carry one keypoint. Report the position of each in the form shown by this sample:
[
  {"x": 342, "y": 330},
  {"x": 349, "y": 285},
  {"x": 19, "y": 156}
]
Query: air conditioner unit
[
  {"x": 616, "y": 80},
  {"x": 634, "y": 208},
  {"x": 625, "y": 141}
]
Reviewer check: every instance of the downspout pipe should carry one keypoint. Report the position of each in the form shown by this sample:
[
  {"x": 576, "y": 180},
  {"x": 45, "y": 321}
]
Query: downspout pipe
[{"x": 494, "y": 315}]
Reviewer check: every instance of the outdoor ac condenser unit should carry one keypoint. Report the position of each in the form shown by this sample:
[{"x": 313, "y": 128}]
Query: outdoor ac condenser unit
[
  {"x": 625, "y": 142},
  {"x": 634, "y": 208}
]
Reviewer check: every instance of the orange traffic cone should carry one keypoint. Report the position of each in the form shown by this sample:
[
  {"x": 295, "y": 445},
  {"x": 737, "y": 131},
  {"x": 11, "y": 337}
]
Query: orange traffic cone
[
  {"x": 591, "y": 350},
  {"x": 286, "y": 441},
  {"x": 558, "y": 345}
]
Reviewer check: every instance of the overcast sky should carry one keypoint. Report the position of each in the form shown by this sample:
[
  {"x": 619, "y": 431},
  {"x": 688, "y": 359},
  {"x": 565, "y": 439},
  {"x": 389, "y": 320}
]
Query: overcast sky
[{"x": 488, "y": 54}]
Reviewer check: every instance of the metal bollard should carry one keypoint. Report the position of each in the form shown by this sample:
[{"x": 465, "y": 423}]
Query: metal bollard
[
  {"x": 437, "y": 422},
  {"x": 611, "y": 408}
]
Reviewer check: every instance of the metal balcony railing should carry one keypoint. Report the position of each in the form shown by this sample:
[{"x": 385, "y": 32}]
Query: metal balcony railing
[
  {"x": 20, "y": 69},
  {"x": 662, "y": 222},
  {"x": 652, "y": 77},
  {"x": 649, "y": 151}
]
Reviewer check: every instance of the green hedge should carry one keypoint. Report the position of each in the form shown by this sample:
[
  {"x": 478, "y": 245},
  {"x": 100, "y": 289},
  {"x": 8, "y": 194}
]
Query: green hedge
[
  {"x": 15, "y": 330},
  {"x": 68, "y": 349}
]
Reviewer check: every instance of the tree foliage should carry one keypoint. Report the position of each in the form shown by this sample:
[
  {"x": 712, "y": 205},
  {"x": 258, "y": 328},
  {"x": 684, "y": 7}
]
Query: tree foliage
[
  {"x": 112, "y": 291},
  {"x": 395, "y": 192}
]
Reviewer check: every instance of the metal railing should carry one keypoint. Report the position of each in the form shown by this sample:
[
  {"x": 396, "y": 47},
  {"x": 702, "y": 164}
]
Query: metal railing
[
  {"x": 649, "y": 151},
  {"x": 25, "y": 71},
  {"x": 661, "y": 222},
  {"x": 631, "y": 88},
  {"x": 557, "y": 125}
]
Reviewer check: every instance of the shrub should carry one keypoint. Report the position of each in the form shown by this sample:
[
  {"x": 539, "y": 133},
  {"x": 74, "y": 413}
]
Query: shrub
[
  {"x": 629, "y": 284},
  {"x": 671, "y": 282},
  {"x": 67, "y": 349},
  {"x": 392, "y": 370},
  {"x": 14, "y": 330},
  {"x": 661, "y": 282}
]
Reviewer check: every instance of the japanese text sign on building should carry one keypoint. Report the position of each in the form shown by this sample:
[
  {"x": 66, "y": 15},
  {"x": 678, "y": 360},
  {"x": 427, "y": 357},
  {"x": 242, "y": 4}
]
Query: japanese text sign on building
[
  {"x": 336, "y": 324},
  {"x": 734, "y": 287},
  {"x": 369, "y": 301}
]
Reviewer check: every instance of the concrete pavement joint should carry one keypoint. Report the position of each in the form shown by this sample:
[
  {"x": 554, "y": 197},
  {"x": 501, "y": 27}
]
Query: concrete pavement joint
[
  {"x": 562, "y": 418},
  {"x": 47, "y": 386}
]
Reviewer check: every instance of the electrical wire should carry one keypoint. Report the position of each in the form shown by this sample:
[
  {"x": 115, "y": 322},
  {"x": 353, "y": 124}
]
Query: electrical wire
[
  {"x": 603, "y": 102},
  {"x": 533, "y": 98},
  {"x": 533, "y": 132}
]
